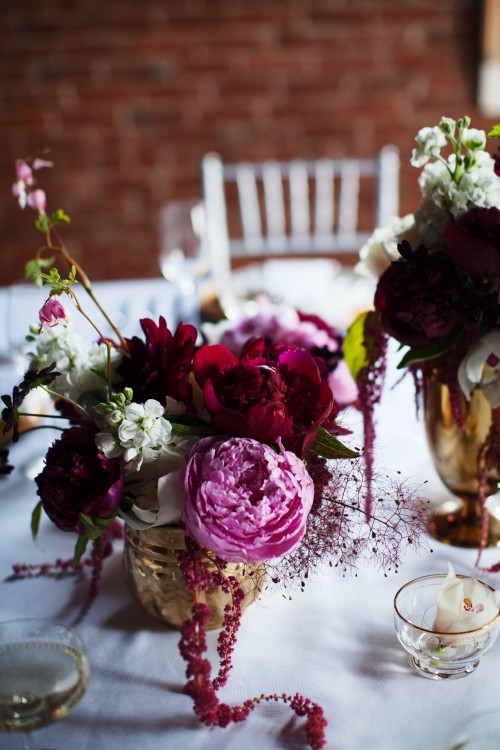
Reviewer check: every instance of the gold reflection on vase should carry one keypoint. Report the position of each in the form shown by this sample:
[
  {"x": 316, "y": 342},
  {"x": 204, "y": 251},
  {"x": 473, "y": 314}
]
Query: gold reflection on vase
[
  {"x": 154, "y": 577},
  {"x": 455, "y": 452}
]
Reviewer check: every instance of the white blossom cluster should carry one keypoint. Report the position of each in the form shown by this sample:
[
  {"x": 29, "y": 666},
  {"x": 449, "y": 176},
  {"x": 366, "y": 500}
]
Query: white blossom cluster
[
  {"x": 445, "y": 199},
  {"x": 83, "y": 365},
  {"x": 450, "y": 187},
  {"x": 139, "y": 434}
]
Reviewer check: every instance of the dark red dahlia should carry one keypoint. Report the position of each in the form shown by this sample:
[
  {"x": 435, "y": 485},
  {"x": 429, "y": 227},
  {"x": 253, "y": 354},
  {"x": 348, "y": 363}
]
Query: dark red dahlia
[
  {"x": 262, "y": 398},
  {"x": 418, "y": 297},
  {"x": 78, "y": 479},
  {"x": 159, "y": 365},
  {"x": 473, "y": 242}
]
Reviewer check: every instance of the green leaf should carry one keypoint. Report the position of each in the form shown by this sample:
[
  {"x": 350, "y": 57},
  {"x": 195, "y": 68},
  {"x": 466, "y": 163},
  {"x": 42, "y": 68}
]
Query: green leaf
[
  {"x": 494, "y": 132},
  {"x": 35, "y": 519},
  {"x": 191, "y": 424},
  {"x": 328, "y": 446},
  {"x": 94, "y": 526},
  {"x": 43, "y": 223},
  {"x": 59, "y": 217},
  {"x": 80, "y": 547},
  {"x": 33, "y": 269},
  {"x": 355, "y": 353},
  {"x": 423, "y": 353}
]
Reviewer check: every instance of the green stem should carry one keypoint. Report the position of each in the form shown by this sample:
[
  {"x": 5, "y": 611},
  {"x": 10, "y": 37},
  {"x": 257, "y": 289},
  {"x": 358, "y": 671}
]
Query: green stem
[
  {"x": 41, "y": 416},
  {"x": 84, "y": 280},
  {"x": 68, "y": 400},
  {"x": 101, "y": 336}
]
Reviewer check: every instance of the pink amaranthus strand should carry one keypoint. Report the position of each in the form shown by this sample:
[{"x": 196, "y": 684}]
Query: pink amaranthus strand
[
  {"x": 193, "y": 645},
  {"x": 370, "y": 383},
  {"x": 65, "y": 567}
]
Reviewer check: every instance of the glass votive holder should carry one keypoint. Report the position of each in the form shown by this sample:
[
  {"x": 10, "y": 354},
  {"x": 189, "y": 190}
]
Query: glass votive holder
[{"x": 436, "y": 655}]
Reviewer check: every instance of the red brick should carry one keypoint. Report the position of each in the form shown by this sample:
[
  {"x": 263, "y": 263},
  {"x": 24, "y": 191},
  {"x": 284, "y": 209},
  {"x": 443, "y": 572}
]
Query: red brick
[{"x": 129, "y": 96}]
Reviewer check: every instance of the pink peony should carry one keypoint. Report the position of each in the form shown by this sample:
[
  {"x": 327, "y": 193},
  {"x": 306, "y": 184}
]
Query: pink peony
[
  {"x": 280, "y": 327},
  {"x": 244, "y": 501},
  {"x": 52, "y": 313}
]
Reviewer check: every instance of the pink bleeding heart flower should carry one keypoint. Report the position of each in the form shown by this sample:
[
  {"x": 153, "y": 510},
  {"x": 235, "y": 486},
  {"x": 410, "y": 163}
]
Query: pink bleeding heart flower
[
  {"x": 37, "y": 200},
  {"x": 42, "y": 164},
  {"x": 52, "y": 313}
]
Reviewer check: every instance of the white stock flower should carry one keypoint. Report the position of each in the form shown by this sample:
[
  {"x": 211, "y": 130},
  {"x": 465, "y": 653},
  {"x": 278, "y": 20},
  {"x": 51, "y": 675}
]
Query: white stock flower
[
  {"x": 83, "y": 365},
  {"x": 476, "y": 371},
  {"x": 432, "y": 221},
  {"x": 430, "y": 142},
  {"x": 381, "y": 247},
  {"x": 478, "y": 187},
  {"x": 142, "y": 436},
  {"x": 474, "y": 140},
  {"x": 464, "y": 604}
]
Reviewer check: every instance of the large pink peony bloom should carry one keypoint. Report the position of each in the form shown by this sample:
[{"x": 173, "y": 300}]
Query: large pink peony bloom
[{"x": 244, "y": 501}]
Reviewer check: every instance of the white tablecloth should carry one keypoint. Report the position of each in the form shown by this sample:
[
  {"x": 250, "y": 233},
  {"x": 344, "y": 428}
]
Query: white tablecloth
[{"x": 334, "y": 642}]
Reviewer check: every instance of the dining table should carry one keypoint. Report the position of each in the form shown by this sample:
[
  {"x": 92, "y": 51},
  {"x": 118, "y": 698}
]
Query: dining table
[{"x": 332, "y": 640}]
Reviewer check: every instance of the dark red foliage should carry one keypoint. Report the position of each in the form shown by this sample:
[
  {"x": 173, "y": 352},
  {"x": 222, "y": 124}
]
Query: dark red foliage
[{"x": 370, "y": 383}]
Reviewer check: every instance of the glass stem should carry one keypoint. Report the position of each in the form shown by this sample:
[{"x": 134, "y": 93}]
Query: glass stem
[{"x": 28, "y": 741}]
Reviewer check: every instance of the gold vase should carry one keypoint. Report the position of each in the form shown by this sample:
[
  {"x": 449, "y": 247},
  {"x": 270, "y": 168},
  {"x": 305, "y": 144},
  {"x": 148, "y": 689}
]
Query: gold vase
[
  {"x": 455, "y": 452},
  {"x": 154, "y": 577}
]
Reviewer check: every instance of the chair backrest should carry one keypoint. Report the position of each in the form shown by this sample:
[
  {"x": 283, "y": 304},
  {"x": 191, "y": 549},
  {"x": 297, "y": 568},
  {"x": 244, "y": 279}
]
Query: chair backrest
[{"x": 296, "y": 208}]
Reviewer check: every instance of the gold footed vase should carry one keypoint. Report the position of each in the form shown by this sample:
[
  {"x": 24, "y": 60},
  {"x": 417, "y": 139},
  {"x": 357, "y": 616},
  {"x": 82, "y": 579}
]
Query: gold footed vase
[
  {"x": 455, "y": 452},
  {"x": 154, "y": 577}
]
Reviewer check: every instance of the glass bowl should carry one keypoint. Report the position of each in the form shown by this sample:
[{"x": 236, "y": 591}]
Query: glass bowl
[{"x": 438, "y": 656}]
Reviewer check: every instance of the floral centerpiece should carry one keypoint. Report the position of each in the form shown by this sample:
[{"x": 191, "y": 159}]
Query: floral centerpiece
[
  {"x": 439, "y": 282},
  {"x": 241, "y": 449}
]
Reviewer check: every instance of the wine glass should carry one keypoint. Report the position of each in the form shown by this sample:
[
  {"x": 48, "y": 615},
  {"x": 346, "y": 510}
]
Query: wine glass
[
  {"x": 44, "y": 672},
  {"x": 181, "y": 255}
]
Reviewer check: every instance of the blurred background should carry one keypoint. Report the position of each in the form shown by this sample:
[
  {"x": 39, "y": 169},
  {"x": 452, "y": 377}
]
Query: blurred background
[{"x": 128, "y": 96}]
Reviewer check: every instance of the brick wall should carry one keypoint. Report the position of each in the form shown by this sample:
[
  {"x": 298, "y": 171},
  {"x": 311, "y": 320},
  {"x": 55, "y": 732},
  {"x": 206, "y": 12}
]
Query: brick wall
[{"x": 129, "y": 95}]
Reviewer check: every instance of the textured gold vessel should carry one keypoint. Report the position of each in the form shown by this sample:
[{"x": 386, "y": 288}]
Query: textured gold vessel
[
  {"x": 455, "y": 452},
  {"x": 155, "y": 579}
]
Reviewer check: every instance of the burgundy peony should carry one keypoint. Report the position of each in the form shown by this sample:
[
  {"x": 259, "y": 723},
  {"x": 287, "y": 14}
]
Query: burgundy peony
[
  {"x": 473, "y": 242},
  {"x": 244, "y": 501},
  {"x": 159, "y": 366},
  {"x": 262, "y": 398},
  {"x": 78, "y": 479},
  {"x": 418, "y": 297}
]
